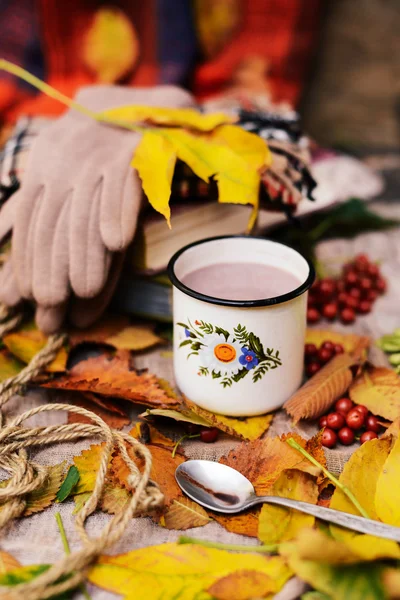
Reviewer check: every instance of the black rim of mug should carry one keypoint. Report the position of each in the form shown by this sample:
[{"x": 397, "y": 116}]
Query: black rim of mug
[{"x": 238, "y": 303}]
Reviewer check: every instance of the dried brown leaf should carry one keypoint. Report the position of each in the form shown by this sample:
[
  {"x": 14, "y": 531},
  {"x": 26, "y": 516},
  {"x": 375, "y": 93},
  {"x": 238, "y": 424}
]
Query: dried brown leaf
[
  {"x": 114, "y": 376},
  {"x": 320, "y": 392},
  {"x": 100, "y": 332},
  {"x": 107, "y": 409}
]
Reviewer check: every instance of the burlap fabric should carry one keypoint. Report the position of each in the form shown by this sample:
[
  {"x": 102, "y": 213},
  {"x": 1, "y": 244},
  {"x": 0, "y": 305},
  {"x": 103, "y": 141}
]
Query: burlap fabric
[{"x": 36, "y": 539}]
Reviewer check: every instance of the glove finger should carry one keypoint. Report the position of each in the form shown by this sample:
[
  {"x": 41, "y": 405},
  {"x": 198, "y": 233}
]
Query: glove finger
[
  {"x": 7, "y": 216},
  {"x": 9, "y": 291},
  {"x": 120, "y": 204},
  {"x": 50, "y": 285},
  {"x": 28, "y": 206},
  {"x": 84, "y": 312},
  {"x": 50, "y": 319},
  {"x": 89, "y": 259}
]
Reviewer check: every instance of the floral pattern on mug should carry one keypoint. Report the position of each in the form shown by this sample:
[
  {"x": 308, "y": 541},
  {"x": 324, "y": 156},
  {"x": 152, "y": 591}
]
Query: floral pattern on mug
[{"x": 228, "y": 356}]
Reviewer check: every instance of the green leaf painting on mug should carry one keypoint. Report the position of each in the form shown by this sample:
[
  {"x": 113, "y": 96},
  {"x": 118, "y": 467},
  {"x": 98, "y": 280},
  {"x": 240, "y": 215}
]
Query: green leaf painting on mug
[{"x": 225, "y": 356}]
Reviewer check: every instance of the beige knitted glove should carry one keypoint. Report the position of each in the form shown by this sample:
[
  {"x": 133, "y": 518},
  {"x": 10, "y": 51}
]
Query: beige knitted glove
[{"x": 78, "y": 203}]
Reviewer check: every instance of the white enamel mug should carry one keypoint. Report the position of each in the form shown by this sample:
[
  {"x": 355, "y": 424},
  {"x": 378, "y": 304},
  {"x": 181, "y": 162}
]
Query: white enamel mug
[{"x": 233, "y": 357}]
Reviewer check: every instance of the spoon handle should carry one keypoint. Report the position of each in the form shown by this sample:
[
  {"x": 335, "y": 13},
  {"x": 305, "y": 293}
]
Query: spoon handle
[{"x": 336, "y": 516}]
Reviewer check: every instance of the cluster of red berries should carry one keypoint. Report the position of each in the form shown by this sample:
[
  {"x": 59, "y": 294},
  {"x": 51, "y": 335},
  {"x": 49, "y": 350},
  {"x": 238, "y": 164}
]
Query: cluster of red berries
[
  {"x": 352, "y": 293},
  {"x": 315, "y": 358},
  {"x": 346, "y": 424}
]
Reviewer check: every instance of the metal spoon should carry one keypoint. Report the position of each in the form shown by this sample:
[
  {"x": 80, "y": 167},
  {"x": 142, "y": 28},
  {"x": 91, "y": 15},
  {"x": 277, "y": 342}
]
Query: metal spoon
[{"x": 223, "y": 489}]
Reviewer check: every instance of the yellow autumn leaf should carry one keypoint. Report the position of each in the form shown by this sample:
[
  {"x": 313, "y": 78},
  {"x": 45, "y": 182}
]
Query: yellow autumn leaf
[
  {"x": 111, "y": 46},
  {"x": 154, "y": 159},
  {"x": 184, "y": 514},
  {"x": 315, "y": 545},
  {"x": 8, "y": 563},
  {"x": 277, "y": 523},
  {"x": 179, "y": 117},
  {"x": 27, "y": 341},
  {"x": 9, "y": 365},
  {"x": 238, "y": 181},
  {"x": 135, "y": 337},
  {"x": 246, "y": 428},
  {"x": 387, "y": 495},
  {"x": 87, "y": 464},
  {"x": 360, "y": 475},
  {"x": 379, "y": 390},
  {"x": 242, "y": 585},
  {"x": 183, "y": 571},
  {"x": 251, "y": 147}
]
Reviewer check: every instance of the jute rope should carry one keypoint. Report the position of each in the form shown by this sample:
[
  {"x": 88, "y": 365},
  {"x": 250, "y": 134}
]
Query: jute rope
[{"x": 27, "y": 476}]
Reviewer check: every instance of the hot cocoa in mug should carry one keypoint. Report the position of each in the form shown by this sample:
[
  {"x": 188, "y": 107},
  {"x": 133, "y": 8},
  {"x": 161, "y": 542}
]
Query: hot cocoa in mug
[{"x": 239, "y": 311}]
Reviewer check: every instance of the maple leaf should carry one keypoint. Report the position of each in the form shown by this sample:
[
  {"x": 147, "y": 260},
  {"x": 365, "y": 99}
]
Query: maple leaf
[
  {"x": 360, "y": 475},
  {"x": 352, "y": 343},
  {"x": 114, "y": 376},
  {"x": 277, "y": 523},
  {"x": 320, "y": 392},
  {"x": 105, "y": 408},
  {"x": 26, "y": 341},
  {"x": 185, "y": 117},
  {"x": 183, "y": 513},
  {"x": 185, "y": 572},
  {"x": 8, "y": 563},
  {"x": 379, "y": 390}
]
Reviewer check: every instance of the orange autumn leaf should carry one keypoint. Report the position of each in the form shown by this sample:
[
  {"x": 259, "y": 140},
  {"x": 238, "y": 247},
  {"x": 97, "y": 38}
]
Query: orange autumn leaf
[
  {"x": 147, "y": 434},
  {"x": 245, "y": 523},
  {"x": 8, "y": 563},
  {"x": 104, "y": 328},
  {"x": 114, "y": 376},
  {"x": 183, "y": 513},
  {"x": 319, "y": 393},
  {"x": 242, "y": 585},
  {"x": 106, "y": 409},
  {"x": 352, "y": 343},
  {"x": 378, "y": 389}
]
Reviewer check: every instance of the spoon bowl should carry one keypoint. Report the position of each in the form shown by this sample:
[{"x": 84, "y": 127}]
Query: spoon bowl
[{"x": 223, "y": 489}]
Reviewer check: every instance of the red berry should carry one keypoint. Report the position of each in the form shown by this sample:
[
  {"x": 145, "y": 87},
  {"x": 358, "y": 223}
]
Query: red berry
[
  {"x": 335, "y": 420},
  {"x": 192, "y": 428},
  {"x": 327, "y": 345},
  {"x": 362, "y": 259},
  {"x": 312, "y": 368},
  {"x": 373, "y": 271},
  {"x": 347, "y": 315},
  {"x": 354, "y": 293},
  {"x": 367, "y": 436},
  {"x": 372, "y": 424},
  {"x": 352, "y": 303},
  {"x": 362, "y": 409},
  {"x": 322, "y": 421},
  {"x": 351, "y": 278},
  {"x": 312, "y": 300},
  {"x": 329, "y": 311},
  {"x": 310, "y": 350},
  {"x": 364, "y": 307},
  {"x": 209, "y": 435},
  {"x": 324, "y": 355},
  {"x": 355, "y": 419},
  {"x": 338, "y": 349},
  {"x": 365, "y": 284},
  {"x": 343, "y": 405},
  {"x": 327, "y": 288},
  {"x": 313, "y": 316},
  {"x": 329, "y": 438},
  {"x": 342, "y": 299},
  {"x": 372, "y": 295},
  {"x": 380, "y": 285},
  {"x": 346, "y": 436},
  {"x": 340, "y": 285}
]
